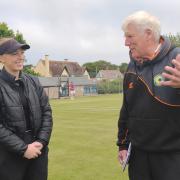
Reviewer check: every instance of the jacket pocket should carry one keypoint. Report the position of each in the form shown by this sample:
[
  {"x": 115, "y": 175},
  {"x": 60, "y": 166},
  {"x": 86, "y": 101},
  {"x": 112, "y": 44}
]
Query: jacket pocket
[
  {"x": 155, "y": 134},
  {"x": 144, "y": 130}
]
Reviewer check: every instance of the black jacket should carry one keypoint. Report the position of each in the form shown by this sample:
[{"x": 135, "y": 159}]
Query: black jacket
[
  {"x": 150, "y": 114},
  {"x": 12, "y": 116}
]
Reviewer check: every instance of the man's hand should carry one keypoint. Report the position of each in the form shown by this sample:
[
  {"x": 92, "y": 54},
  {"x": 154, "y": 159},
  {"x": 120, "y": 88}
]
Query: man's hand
[
  {"x": 122, "y": 156},
  {"x": 174, "y": 74},
  {"x": 33, "y": 150}
]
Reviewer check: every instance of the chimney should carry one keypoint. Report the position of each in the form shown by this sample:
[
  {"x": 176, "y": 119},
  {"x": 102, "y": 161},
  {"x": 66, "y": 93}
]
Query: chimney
[{"x": 47, "y": 65}]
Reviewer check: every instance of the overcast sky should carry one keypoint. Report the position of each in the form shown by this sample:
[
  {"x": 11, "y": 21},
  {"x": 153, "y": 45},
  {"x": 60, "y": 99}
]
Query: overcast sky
[{"x": 81, "y": 30}]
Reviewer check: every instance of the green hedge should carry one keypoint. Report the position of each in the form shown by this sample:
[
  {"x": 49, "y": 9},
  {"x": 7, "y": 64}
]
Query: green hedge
[{"x": 109, "y": 87}]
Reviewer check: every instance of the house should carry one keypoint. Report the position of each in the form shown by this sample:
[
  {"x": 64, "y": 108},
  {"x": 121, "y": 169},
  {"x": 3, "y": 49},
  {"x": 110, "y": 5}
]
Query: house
[
  {"x": 57, "y": 87},
  {"x": 109, "y": 75},
  {"x": 65, "y": 68}
]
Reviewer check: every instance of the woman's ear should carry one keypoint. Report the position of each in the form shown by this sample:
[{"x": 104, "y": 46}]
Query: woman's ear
[{"x": 1, "y": 59}]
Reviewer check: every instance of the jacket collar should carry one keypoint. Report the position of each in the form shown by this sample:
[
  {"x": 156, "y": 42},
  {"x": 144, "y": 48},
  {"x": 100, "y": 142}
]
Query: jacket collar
[{"x": 8, "y": 77}]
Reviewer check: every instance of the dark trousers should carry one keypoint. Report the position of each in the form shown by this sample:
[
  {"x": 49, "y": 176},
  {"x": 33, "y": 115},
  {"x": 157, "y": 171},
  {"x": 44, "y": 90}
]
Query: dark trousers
[
  {"x": 13, "y": 167},
  {"x": 154, "y": 166}
]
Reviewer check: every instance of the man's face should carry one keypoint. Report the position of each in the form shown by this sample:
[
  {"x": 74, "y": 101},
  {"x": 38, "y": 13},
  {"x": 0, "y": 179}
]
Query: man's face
[
  {"x": 13, "y": 62},
  {"x": 136, "y": 41}
]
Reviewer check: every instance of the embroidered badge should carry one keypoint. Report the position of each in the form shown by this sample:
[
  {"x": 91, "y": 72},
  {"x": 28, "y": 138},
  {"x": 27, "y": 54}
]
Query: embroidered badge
[{"x": 158, "y": 79}]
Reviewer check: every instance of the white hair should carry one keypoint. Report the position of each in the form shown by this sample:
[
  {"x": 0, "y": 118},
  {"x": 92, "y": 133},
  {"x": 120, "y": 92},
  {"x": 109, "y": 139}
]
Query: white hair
[{"x": 143, "y": 21}]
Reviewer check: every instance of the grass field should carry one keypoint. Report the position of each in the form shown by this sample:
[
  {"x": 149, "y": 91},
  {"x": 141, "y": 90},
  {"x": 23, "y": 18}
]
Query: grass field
[{"x": 83, "y": 144}]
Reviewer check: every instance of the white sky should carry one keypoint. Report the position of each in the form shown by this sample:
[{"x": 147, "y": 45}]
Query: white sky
[{"x": 81, "y": 30}]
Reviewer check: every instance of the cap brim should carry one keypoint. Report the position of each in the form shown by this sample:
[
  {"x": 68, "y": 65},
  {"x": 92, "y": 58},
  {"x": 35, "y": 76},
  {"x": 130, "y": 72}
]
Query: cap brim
[
  {"x": 18, "y": 46},
  {"x": 25, "y": 46}
]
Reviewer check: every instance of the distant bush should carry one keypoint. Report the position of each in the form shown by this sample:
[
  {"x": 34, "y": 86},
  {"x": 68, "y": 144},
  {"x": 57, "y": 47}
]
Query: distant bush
[{"x": 109, "y": 87}]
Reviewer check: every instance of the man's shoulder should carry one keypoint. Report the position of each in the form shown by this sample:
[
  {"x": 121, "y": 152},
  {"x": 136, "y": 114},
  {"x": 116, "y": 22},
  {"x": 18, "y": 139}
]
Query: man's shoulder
[
  {"x": 175, "y": 50},
  {"x": 173, "y": 53}
]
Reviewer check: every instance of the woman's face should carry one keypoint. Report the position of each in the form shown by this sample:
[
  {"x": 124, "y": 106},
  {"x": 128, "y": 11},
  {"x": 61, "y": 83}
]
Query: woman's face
[{"x": 13, "y": 62}]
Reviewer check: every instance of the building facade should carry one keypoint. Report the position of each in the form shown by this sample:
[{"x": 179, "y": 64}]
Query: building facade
[{"x": 54, "y": 68}]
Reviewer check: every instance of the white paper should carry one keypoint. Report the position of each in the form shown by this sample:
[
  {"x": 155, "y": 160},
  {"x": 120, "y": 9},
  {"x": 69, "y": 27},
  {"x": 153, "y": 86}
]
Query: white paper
[{"x": 127, "y": 158}]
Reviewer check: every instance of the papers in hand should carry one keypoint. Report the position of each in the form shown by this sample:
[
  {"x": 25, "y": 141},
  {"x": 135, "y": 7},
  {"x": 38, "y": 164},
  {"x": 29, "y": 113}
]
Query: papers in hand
[{"x": 127, "y": 158}]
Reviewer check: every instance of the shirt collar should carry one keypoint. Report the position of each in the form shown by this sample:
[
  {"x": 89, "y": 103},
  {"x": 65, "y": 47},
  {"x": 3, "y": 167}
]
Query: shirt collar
[{"x": 153, "y": 56}]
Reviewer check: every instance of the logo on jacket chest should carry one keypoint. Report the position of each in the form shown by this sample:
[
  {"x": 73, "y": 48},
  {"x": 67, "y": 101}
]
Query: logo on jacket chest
[{"x": 158, "y": 79}]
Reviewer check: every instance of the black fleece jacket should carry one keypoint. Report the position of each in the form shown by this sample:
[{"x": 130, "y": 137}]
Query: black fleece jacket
[{"x": 149, "y": 116}]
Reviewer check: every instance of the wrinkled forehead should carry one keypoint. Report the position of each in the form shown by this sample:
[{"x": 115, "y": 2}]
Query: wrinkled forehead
[{"x": 132, "y": 30}]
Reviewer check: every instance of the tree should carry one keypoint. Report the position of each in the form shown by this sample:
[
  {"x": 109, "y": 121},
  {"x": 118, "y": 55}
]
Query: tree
[
  {"x": 19, "y": 37},
  {"x": 94, "y": 67},
  {"x": 27, "y": 69},
  {"x": 5, "y": 31},
  {"x": 91, "y": 68},
  {"x": 175, "y": 39},
  {"x": 123, "y": 67}
]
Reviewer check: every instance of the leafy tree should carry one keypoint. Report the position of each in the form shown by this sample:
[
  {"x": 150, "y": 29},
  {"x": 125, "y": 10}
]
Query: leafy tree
[
  {"x": 123, "y": 67},
  {"x": 27, "y": 69},
  {"x": 94, "y": 67},
  {"x": 91, "y": 68},
  {"x": 19, "y": 37},
  {"x": 5, "y": 31},
  {"x": 175, "y": 39}
]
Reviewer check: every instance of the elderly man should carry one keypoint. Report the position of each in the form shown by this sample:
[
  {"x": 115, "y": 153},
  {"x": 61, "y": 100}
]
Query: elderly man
[
  {"x": 25, "y": 118},
  {"x": 150, "y": 114}
]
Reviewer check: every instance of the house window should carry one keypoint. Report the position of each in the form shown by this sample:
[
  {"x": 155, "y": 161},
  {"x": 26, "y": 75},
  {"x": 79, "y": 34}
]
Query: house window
[
  {"x": 90, "y": 89},
  {"x": 64, "y": 91},
  {"x": 93, "y": 89},
  {"x": 87, "y": 90}
]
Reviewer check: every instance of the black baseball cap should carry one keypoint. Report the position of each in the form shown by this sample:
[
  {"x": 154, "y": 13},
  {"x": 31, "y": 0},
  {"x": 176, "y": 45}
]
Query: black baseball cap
[{"x": 11, "y": 45}]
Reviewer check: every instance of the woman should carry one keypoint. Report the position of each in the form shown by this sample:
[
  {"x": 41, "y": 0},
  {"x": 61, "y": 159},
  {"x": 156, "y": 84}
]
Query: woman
[{"x": 25, "y": 118}]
